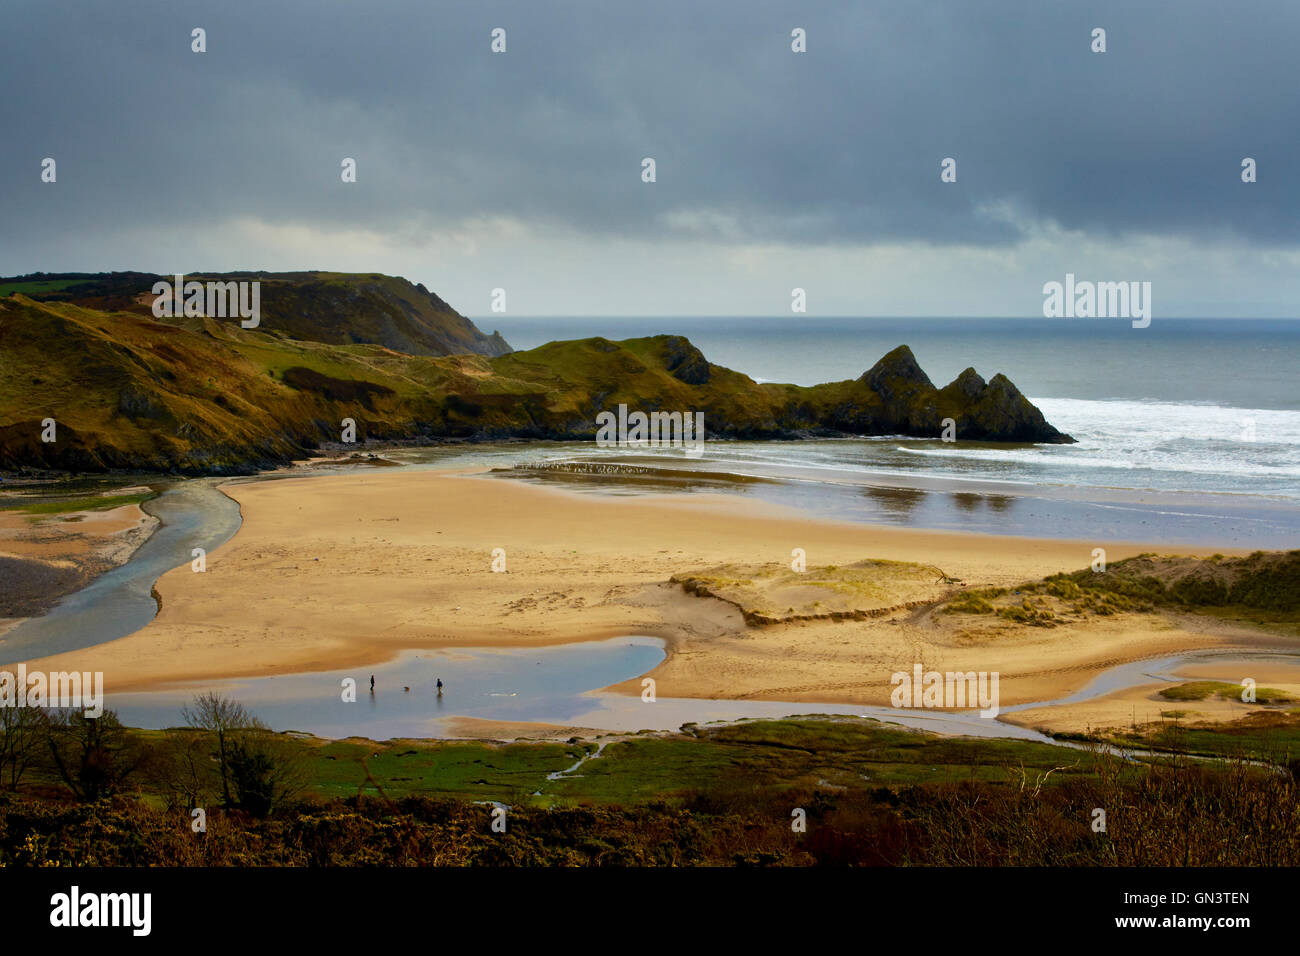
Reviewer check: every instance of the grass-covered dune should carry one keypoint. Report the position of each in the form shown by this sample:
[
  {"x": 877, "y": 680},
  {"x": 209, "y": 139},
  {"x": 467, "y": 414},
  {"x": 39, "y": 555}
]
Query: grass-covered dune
[
  {"x": 772, "y": 594},
  {"x": 1262, "y": 587},
  {"x": 196, "y": 395}
]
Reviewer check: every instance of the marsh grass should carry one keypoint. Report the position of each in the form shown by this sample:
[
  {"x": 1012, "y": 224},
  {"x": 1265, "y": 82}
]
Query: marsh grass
[
  {"x": 58, "y": 506},
  {"x": 1201, "y": 689}
]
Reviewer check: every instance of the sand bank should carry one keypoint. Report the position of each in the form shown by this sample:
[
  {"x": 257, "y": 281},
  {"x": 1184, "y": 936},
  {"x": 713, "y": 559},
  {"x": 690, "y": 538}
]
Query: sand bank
[{"x": 44, "y": 557}]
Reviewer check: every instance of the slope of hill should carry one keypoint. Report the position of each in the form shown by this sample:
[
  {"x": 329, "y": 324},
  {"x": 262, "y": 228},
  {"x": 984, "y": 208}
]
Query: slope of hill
[
  {"x": 203, "y": 395},
  {"x": 330, "y": 307}
]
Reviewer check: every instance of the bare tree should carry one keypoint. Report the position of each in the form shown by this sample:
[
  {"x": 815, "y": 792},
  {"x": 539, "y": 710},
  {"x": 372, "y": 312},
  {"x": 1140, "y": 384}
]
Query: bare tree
[
  {"x": 258, "y": 768},
  {"x": 93, "y": 756},
  {"x": 22, "y": 736},
  {"x": 185, "y": 768},
  {"x": 223, "y": 720}
]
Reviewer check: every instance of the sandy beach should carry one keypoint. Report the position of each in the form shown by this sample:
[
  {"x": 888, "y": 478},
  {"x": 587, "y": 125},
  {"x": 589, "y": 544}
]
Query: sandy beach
[{"x": 347, "y": 570}]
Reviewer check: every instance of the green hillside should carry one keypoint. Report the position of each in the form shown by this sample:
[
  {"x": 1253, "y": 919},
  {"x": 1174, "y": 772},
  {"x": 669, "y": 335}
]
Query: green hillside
[
  {"x": 331, "y": 307},
  {"x": 203, "y": 395}
]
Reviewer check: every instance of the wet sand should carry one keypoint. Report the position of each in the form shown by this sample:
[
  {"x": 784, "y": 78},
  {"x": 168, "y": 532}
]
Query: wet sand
[{"x": 1144, "y": 704}]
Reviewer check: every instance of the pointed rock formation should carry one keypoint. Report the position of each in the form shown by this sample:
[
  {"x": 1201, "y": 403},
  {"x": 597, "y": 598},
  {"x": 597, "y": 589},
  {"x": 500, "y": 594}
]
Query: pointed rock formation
[
  {"x": 994, "y": 411},
  {"x": 896, "y": 374}
]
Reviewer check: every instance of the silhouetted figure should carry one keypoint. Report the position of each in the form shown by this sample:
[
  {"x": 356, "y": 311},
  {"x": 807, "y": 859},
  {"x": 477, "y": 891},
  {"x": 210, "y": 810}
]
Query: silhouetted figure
[
  {"x": 439, "y": 686},
  {"x": 372, "y": 683}
]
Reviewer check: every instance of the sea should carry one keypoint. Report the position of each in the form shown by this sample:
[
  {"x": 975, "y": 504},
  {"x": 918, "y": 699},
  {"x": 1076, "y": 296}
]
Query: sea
[{"x": 1194, "y": 421}]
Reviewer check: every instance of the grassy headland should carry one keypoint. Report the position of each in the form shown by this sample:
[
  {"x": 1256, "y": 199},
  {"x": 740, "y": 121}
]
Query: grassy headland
[{"x": 199, "y": 395}]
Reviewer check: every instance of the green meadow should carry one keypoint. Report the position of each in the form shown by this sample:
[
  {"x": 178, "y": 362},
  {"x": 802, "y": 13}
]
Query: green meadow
[
  {"x": 37, "y": 287},
  {"x": 771, "y": 755}
]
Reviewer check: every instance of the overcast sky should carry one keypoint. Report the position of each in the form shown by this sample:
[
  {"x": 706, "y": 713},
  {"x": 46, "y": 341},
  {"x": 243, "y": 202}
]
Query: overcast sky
[{"x": 523, "y": 170}]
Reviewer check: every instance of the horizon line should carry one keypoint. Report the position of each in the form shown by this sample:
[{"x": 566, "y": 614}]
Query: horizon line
[{"x": 804, "y": 316}]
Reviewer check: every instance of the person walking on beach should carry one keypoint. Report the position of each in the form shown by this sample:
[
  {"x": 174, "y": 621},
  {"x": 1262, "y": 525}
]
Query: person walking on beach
[
  {"x": 439, "y": 686},
  {"x": 372, "y": 683}
]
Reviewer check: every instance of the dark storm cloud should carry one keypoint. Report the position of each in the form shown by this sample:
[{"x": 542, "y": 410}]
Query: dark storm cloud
[{"x": 841, "y": 144}]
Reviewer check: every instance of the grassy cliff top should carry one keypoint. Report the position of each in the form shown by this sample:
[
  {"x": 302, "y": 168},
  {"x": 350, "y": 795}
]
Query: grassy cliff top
[{"x": 331, "y": 307}]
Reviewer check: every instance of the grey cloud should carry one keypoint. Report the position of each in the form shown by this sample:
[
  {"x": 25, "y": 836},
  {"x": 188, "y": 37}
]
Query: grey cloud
[{"x": 840, "y": 145}]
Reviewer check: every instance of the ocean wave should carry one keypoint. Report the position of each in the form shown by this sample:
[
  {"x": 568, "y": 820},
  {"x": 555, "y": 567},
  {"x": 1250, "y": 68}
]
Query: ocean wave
[
  {"x": 1133, "y": 459},
  {"x": 1164, "y": 446}
]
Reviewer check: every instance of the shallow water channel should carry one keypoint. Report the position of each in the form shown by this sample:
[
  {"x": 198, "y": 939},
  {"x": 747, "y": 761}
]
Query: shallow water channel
[{"x": 193, "y": 514}]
